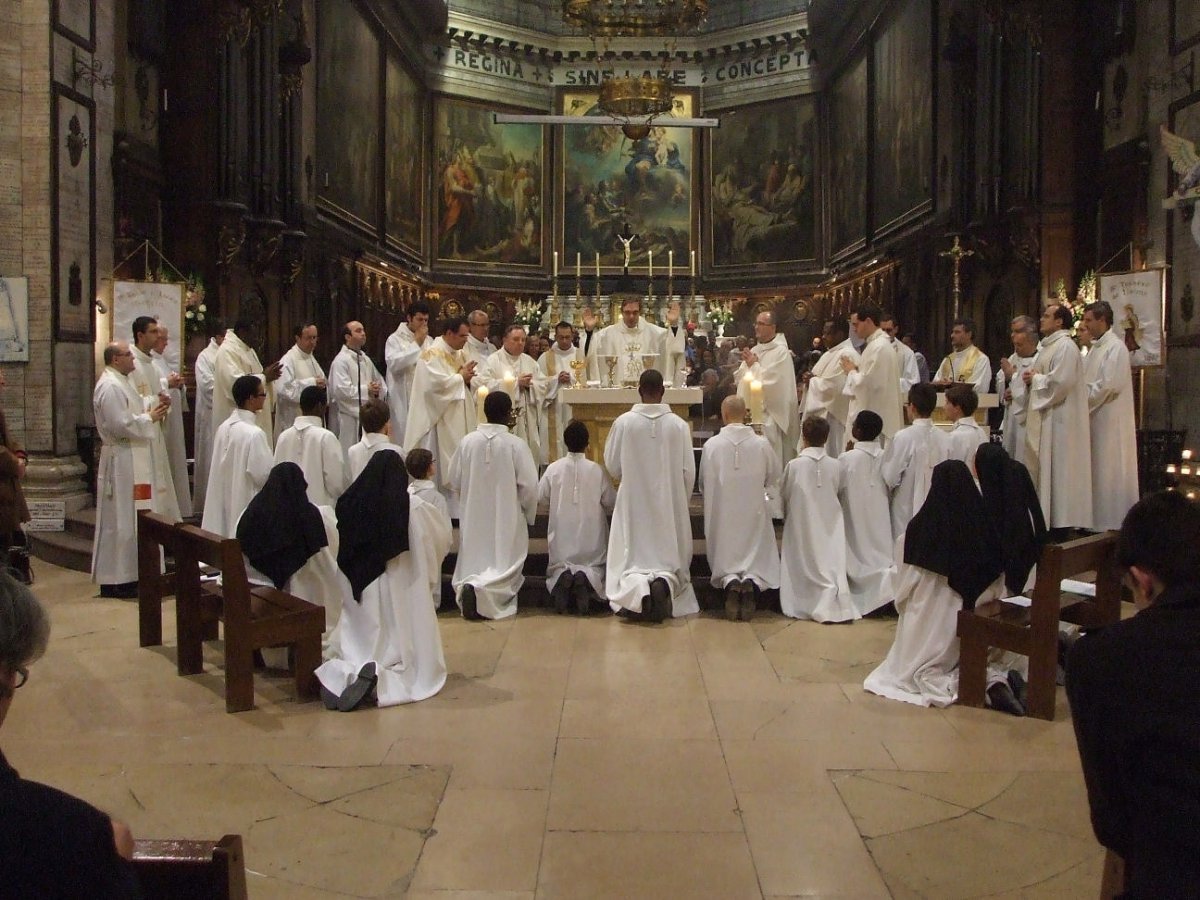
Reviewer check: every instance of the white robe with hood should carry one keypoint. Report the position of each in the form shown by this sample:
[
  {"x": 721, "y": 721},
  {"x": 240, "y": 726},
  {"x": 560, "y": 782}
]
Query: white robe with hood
[
  {"x": 869, "y": 544},
  {"x": 315, "y": 449},
  {"x": 350, "y": 377},
  {"x": 400, "y": 356},
  {"x": 825, "y": 394},
  {"x": 242, "y": 461},
  {"x": 813, "y": 578},
  {"x": 1113, "y": 428},
  {"x": 580, "y": 497}
]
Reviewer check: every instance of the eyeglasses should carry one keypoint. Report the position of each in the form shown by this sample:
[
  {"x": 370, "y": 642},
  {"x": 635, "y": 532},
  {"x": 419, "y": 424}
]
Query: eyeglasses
[{"x": 22, "y": 677}]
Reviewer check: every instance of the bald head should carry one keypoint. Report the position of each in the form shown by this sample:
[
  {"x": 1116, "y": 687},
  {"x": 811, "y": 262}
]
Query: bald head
[
  {"x": 119, "y": 356},
  {"x": 733, "y": 410}
]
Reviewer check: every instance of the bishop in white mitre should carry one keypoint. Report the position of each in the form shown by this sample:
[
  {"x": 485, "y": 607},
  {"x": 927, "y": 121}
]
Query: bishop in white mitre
[
  {"x": 1011, "y": 386},
  {"x": 353, "y": 379},
  {"x": 770, "y": 364},
  {"x": 517, "y": 373},
  {"x": 824, "y": 394},
  {"x": 631, "y": 341},
  {"x": 236, "y": 357},
  {"x": 298, "y": 369},
  {"x": 149, "y": 385},
  {"x": 241, "y": 459},
  {"x": 556, "y": 365},
  {"x": 166, "y": 365},
  {"x": 203, "y": 428},
  {"x": 315, "y": 449},
  {"x": 400, "y": 355},
  {"x": 873, "y": 381},
  {"x": 1109, "y": 377}
]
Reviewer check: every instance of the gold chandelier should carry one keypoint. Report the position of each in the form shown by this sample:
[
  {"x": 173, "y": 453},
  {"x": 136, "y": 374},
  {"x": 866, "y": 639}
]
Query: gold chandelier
[{"x": 634, "y": 18}]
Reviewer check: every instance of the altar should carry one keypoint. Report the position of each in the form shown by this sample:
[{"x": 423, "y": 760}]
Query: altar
[{"x": 598, "y": 408}]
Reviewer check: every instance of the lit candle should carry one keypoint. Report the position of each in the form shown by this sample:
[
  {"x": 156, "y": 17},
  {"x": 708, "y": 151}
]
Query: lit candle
[
  {"x": 670, "y": 264},
  {"x": 597, "y": 263},
  {"x": 578, "y": 260},
  {"x": 1185, "y": 470},
  {"x": 555, "y": 263},
  {"x": 650, "y": 263},
  {"x": 1170, "y": 468},
  {"x": 692, "y": 266},
  {"x": 756, "y": 402},
  {"x": 480, "y": 396},
  {"x": 510, "y": 384},
  {"x": 1187, "y": 454}
]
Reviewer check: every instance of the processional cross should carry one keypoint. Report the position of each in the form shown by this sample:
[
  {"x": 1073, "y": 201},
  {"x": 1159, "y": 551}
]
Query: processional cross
[{"x": 957, "y": 253}]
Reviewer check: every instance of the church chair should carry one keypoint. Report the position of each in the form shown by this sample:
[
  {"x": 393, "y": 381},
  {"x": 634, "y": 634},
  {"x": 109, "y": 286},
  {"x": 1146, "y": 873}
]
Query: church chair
[
  {"x": 191, "y": 870},
  {"x": 155, "y": 535},
  {"x": 1033, "y": 631},
  {"x": 254, "y": 617}
]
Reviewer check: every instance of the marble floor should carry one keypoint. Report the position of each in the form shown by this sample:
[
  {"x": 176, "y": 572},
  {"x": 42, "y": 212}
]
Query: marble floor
[{"x": 568, "y": 758}]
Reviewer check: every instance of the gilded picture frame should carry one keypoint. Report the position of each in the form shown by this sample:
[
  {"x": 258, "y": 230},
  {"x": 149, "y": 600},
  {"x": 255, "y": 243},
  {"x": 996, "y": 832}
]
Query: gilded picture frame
[{"x": 847, "y": 136}]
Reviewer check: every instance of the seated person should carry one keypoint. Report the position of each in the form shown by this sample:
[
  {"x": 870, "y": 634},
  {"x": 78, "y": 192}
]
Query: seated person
[
  {"x": 1136, "y": 711},
  {"x": 581, "y": 497},
  {"x": 51, "y": 844}
]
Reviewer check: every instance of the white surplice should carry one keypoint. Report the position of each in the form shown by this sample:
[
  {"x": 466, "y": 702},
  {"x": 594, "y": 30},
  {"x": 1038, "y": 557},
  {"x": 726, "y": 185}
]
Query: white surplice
[
  {"x": 426, "y": 490},
  {"x": 400, "y": 355},
  {"x": 963, "y": 439},
  {"x": 1113, "y": 429},
  {"x": 649, "y": 449},
  {"x": 360, "y": 454},
  {"x": 299, "y": 370},
  {"x": 1013, "y": 426},
  {"x": 1058, "y": 434},
  {"x": 174, "y": 436},
  {"x": 907, "y": 469},
  {"x": 235, "y": 359},
  {"x": 441, "y": 410},
  {"x": 148, "y": 384},
  {"x": 812, "y": 582},
  {"x": 580, "y": 496},
  {"x": 869, "y": 544},
  {"x": 876, "y": 384},
  {"x": 241, "y": 463},
  {"x": 665, "y": 344},
  {"x": 497, "y": 483},
  {"x": 739, "y": 478},
  {"x": 395, "y": 626},
  {"x": 558, "y": 411},
  {"x": 315, "y": 449},
  {"x": 350, "y": 377},
  {"x": 529, "y": 403},
  {"x": 123, "y": 423},
  {"x": 825, "y": 394},
  {"x": 203, "y": 434},
  {"x": 781, "y": 412},
  {"x": 970, "y": 366}
]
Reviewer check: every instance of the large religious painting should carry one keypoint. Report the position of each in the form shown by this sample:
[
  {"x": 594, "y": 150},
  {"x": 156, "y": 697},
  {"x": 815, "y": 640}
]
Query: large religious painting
[
  {"x": 761, "y": 184},
  {"x": 1183, "y": 232},
  {"x": 610, "y": 180},
  {"x": 404, "y": 159},
  {"x": 348, "y": 85},
  {"x": 903, "y": 121},
  {"x": 488, "y": 187},
  {"x": 73, "y": 225},
  {"x": 76, "y": 20},
  {"x": 848, "y": 159},
  {"x": 1185, "y": 25}
]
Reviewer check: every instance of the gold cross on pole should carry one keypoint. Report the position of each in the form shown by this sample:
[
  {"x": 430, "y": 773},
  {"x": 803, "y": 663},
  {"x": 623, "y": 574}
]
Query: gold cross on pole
[{"x": 957, "y": 253}]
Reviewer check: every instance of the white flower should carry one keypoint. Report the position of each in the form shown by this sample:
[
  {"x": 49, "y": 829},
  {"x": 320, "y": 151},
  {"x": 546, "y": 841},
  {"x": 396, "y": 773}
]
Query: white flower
[{"x": 203, "y": 308}]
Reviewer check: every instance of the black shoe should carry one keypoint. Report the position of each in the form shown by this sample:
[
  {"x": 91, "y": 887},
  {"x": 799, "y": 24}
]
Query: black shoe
[
  {"x": 581, "y": 590},
  {"x": 660, "y": 599},
  {"x": 126, "y": 590},
  {"x": 749, "y": 602},
  {"x": 358, "y": 690},
  {"x": 733, "y": 601},
  {"x": 470, "y": 610},
  {"x": 561, "y": 595},
  {"x": 1000, "y": 696},
  {"x": 329, "y": 698},
  {"x": 1020, "y": 688}
]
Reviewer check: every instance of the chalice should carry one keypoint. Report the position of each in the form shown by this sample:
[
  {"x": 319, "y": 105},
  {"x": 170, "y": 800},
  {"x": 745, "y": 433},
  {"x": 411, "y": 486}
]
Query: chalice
[{"x": 577, "y": 366}]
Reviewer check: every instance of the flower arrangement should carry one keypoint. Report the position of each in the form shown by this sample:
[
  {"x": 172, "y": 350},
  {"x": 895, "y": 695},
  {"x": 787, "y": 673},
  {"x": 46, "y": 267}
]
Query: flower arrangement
[
  {"x": 195, "y": 311},
  {"x": 529, "y": 313},
  {"x": 720, "y": 313}
]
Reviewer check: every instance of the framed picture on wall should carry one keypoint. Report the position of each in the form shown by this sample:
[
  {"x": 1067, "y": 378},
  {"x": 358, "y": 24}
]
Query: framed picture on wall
[
  {"x": 404, "y": 162},
  {"x": 847, "y": 105},
  {"x": 489, "y": 182},
  {"x": 1138, "y": 301},
  {"x": 161, "y": 300},
  {"x": 903, "y": 123},
  {"x": 73, "y": 215},
  {"x": 1185, "y": 25},
  {"x": 1183, "y": 234},
  {"x": 609, "y": 180},
  {"x": 762, "y": 185},
  {"x": 76, "y": 20}
]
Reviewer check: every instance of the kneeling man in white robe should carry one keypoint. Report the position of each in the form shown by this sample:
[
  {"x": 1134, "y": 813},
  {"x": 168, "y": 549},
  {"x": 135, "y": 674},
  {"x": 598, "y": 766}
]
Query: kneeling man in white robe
[
  {"x": 496, "y": 479},
  {"x": 910, "y": 457},
  {"x": 420, "y": 465},
  {"x": 375, "y": 417},
  {"x": 964, "y": 438},
  {"x": 241, "y": 459},
  {"x": 739, "y": 477},
  {"x": 580, "y": 496},
  {"x": 315, "y": 449},
  {"x": 868, "y": 521},
  {"x": 650, "y": 545}
]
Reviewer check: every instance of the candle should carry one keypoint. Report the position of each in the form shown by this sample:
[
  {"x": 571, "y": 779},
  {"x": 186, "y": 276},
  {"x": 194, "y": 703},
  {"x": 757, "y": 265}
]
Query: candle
[
  {"x": 756, "y": 402},
  {"x": 692, "y": 265},
  {"x": 578, "y": 259},
  {"x": 670, "y": 263},
  {"x": 555, "y": 263},
  {"x": 650, "y": 263},
  {"x": 510, "y": 384},
  {"x": 597, "y": 263},
  {"x": 1187, "y": 454},
  {"x": 480, "y": 396},
  {"x": 1185, "y": 470},
  {"x": 1170, "y": 468}
]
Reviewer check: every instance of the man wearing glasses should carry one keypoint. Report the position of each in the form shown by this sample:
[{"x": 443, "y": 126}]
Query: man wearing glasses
[{"x": 241, "y": 459}]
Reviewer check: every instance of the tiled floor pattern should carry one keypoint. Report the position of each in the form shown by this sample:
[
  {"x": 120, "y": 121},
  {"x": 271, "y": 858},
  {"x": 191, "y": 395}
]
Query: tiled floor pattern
[{"x": 572, "y": 759}]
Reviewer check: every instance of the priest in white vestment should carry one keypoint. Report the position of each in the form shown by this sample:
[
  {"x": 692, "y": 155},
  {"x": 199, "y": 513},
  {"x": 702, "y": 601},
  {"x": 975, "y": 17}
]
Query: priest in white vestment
[
  {"x": 1106, "y": 369},
  {"x": 496, "y": 479},
  {"x": 376, "y": 425},
  {"x": 824, "y": 391},
  {"x": 580, "y": 496},
  {"x": 353, "y": 380},
  {"x": 910, "y": 371},
  {"x": 739, "y": 478},
  {"x": 203, "y": 431},
  {"x": 315, "y": 449},
  {"x": 124, "y": 425},
  {"x": 966, "y": 364},
  {"x": 1011, "y": 387},
  {"x": 299, "y": 369},
  {"x": 442, "y": 408},
  {"x": 517, "y": 373},
  {"x": 1057, "y": 429},
  {"x": 556, "y": 365},
  {"x": 965, "y": 435},
  {"x": 910, "y": 457},
  {"x": 812, "y": 583},
  {"x": 173, "y": 434},
  {"x": 630, "y": 340},
  {"x": 149, "y": 385},
  {"x": 387, "y": 637},
  {"x": 649, "y": 450},
  {"x": 478, "y": 344},
  {"x": 770, "y": 363},
  {"x": 236, "y": 357},
  {"x": 241, "y": 459},
  {"x": 865, "y": 512},
  {"x": 400, "y": 355},
  {"x": 873, "y": 381}
]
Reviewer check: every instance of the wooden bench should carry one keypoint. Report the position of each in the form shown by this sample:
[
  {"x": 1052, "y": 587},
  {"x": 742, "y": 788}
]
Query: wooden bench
[
  {"x": 155, "y": 535},
  {"x": 254, "y": 617},
  {"x": 1033, "y": 631},
  {"x": 191, "y": 870}
]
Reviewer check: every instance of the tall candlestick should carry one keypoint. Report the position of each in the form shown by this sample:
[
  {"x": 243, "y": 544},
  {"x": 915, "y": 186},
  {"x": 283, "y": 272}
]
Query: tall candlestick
[
  {"x": 670, "y": 264},
  {"x": 756, "y": 402},
  {"x": 555, "y": 263},
  {"x": 650, "y": 263},
  {"x": 692, "y": 266},
  {"x": 480, "y": 396}
]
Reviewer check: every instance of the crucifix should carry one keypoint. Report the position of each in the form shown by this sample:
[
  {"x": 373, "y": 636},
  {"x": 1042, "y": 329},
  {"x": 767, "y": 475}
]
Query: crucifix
[
  {"x": 627, "y": 237},
  {"x": 957, "y": 253}
]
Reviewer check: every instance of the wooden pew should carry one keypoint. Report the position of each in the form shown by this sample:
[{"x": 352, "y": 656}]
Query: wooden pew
[
  {"x": 1033, "y": 631},
  {"x": 254, "y": 617},
  {"x": 155, "y": 535},
  {"x": 191, "y": 870}
]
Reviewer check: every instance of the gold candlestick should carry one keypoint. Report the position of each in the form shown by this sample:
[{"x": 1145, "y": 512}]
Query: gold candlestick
[{"x": 611, "y": 362}]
